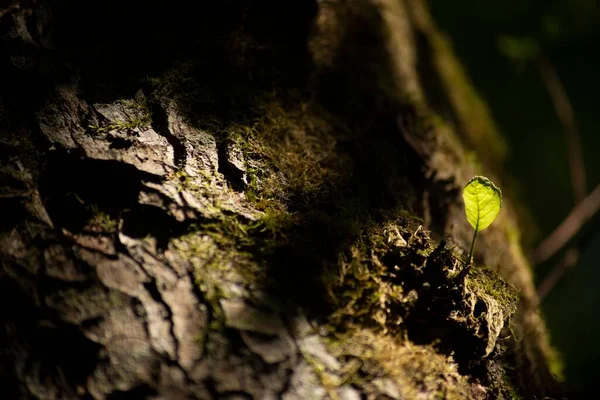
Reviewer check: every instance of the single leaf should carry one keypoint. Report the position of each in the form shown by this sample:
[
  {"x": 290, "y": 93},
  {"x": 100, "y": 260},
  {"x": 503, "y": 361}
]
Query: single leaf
[{"x": 483, "y": 201}]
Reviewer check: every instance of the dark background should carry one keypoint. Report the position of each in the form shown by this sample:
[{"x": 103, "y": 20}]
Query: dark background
[{"x": 568, "y": 32}]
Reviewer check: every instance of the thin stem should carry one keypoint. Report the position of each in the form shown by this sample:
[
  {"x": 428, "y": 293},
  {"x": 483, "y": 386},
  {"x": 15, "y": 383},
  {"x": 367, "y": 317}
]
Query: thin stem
[
  {"x": 470, "y": 259},
  {"x": 572, "y": 224},
  {"x": 569, "y": 261}
]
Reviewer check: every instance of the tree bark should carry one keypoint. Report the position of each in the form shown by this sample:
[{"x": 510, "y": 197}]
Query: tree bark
[{"x": 252, "y": 201}]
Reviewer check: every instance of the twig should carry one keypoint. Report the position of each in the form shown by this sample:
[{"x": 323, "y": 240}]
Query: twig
[
  {"x": 568, "y": 262},
  {"x": 569, "y": 227},
  {"x": 566, "y": 115},
  {"x": 585, "y": 207}
]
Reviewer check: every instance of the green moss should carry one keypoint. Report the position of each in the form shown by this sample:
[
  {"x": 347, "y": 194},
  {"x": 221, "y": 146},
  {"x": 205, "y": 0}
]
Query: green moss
[
  {"x": 486, "y": 281},
  {"x": 138, "y": 117},
  {"x": 328, "y": 380},
  {"x": 360, "y": 285},
  {"x": 502, "y": 388},
  {"x": 276, "y": 144},
  {"x": 225, "y": 253},
  {"x": 416, "y": 370},
  {"x": 288, "y": 144},
  {"x": 290, "y": 153},
  {"x": 391, "y": 281},
  {"x": 101, "y": 220},
  {"x": 115, "y": 299},
  {"x": 184, "y": 181},
  {"x": 213, "y": 268}
]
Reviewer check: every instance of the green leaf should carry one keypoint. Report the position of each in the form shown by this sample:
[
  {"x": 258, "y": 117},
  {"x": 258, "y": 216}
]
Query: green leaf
[{"x": 483, "y": 201}]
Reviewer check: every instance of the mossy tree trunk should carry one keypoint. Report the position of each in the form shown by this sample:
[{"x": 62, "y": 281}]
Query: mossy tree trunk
[{"x": 251, "y": 201}]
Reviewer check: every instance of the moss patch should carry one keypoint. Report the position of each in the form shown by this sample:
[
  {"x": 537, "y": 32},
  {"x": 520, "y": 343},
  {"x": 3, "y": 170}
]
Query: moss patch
[
  {"x": 101, "y": 221},
  {"x": 291, "y": 153},
  {"x": 394, "y": 282},
  {"x": 137, "y": 116},
  {"x": 373, "y": 360}
]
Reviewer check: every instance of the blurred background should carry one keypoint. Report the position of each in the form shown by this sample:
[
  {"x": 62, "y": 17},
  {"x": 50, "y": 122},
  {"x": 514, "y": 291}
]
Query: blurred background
[{"x": 532, "y": 60}]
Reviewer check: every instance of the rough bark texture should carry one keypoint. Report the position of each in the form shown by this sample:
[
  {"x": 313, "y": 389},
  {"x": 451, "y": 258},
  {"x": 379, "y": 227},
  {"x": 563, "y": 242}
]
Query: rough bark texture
[{"x": 251, "y": 201}]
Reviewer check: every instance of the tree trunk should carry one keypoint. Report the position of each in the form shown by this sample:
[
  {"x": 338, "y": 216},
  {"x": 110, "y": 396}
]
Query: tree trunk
[{"x": 251, "y": 200}]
